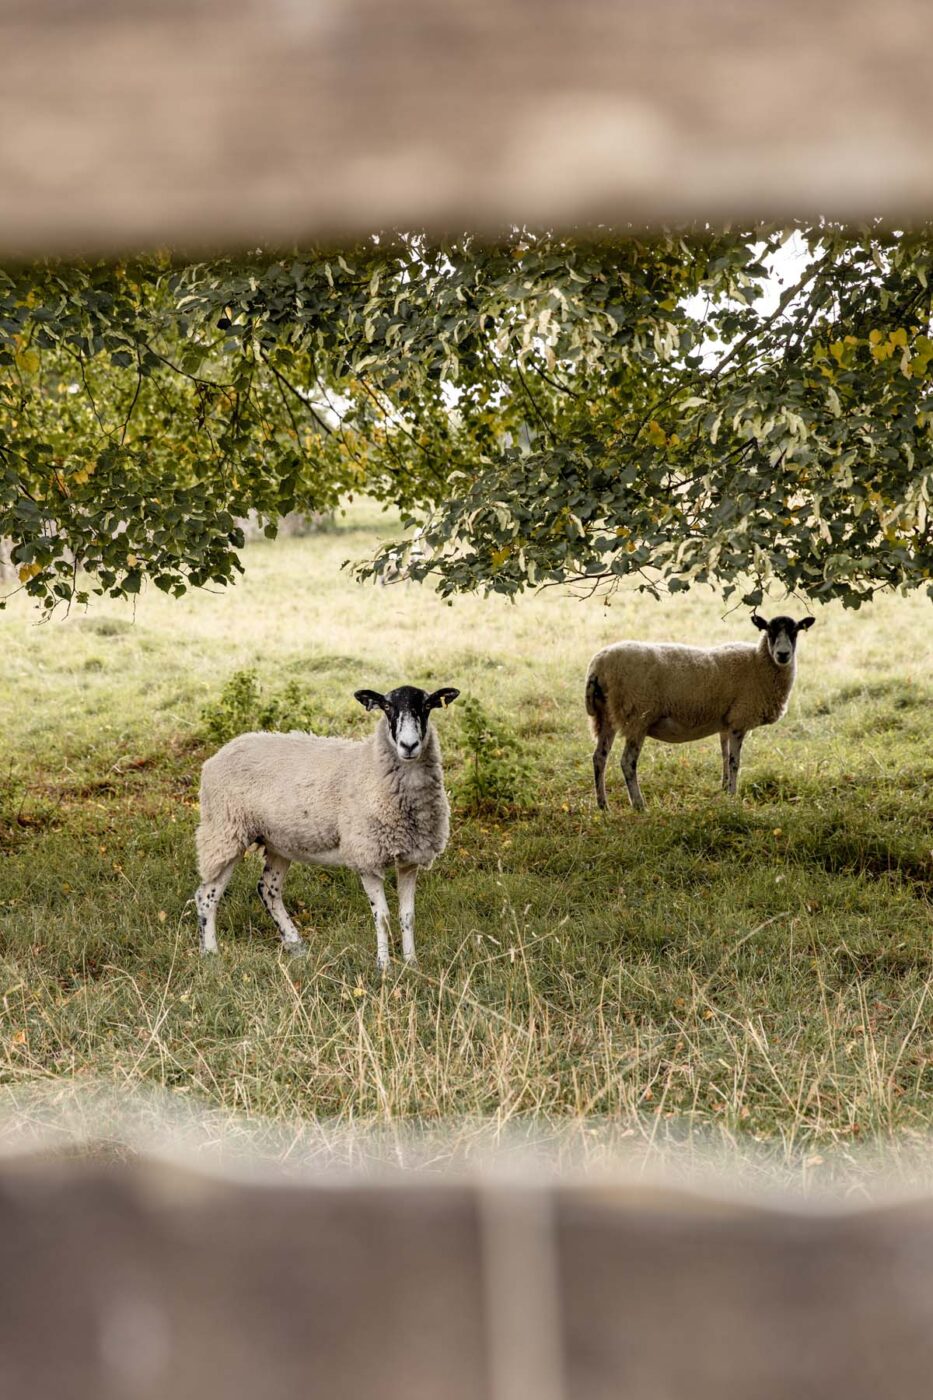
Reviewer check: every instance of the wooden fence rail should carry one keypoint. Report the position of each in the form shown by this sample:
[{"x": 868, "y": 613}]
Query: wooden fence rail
[
  {"x": 148, "y": 1279},
  {"x": 128, "y": 124}
]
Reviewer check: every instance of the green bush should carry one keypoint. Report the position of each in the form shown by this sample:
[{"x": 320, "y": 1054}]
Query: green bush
[
  {"x": 497, "y": 774},
  {"x": 243, "y": 706}
]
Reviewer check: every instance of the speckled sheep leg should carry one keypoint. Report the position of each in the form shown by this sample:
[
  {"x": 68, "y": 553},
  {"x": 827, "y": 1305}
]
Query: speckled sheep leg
[
  {"x": 206, "y": 900},
  {"x": 375, "y": 893},
  {"x": 407, "y": 879},
  {"x": 735, "y": 755},
  {"x": 724, "y": 745},
  {"x": 630, "y": 772},
  {"x": 270, "y": 892},
  {"x": 600, "y": 755}
]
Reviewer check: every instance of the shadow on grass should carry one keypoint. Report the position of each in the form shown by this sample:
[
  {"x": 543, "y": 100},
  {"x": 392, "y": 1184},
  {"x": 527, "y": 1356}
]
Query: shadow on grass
[{"x": 839, "y": 848}]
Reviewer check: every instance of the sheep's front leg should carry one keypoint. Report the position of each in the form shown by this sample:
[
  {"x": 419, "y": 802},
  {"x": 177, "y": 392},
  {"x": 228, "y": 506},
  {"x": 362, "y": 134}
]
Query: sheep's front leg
[
  {"x": 407, "y": 879},
  {"x": 375, "y": 893},
  {"x": 206, "y": 900},
  {"x": 725, "y": 746},
  {"x": 270, "y": 892},
  {"x": 730, "y": 775},
  {"x": 630, "y": 772}
]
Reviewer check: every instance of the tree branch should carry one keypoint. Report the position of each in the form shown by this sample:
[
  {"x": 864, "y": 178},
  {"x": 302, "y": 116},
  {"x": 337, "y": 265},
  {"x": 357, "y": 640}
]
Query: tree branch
[{"x": 296, "y": 393}]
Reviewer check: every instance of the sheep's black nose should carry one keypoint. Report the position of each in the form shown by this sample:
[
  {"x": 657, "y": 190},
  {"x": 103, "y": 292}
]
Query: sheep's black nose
[{"x": 407, "y": 748}]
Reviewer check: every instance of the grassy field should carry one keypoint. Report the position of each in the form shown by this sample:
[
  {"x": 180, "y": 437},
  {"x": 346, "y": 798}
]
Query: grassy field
[{"x": 758, "y": 969}]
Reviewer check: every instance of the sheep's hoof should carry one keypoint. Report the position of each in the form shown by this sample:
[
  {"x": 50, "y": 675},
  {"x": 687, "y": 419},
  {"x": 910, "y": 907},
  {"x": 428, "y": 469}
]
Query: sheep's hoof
[
  {"x": 412, "y": 961},
  {"x": 296, "y": 950},
  {"x": 210, "y": 952}
]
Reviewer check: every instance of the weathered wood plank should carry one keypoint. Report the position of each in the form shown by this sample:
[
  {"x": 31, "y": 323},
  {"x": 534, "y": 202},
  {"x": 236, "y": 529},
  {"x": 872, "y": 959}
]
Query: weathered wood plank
[
  {"x": 145, "y": 1279},
  {"x": 131, "y": 123}
]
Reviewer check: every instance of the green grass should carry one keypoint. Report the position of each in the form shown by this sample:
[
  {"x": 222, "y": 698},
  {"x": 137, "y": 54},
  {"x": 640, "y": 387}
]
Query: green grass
[{"x": 758, "y": 970}]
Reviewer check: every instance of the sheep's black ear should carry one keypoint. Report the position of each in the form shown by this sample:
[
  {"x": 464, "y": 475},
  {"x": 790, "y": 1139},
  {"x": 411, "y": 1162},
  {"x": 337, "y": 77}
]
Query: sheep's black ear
[
  {"x": 805, "y": 623},
  {"x": 370, "y": 699},
  {"x": 444, "y": 696},
  {"x": 759, "y": 623}
]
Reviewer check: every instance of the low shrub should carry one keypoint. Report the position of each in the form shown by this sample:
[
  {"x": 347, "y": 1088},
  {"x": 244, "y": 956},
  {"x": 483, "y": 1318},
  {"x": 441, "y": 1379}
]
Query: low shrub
[
  {"x": 497, "y": 773},
  {"x": 244, "y": 705}
]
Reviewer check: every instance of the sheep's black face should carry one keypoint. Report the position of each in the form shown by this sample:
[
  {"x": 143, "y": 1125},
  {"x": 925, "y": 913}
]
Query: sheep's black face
[
  {"x": 408, "y": 712},
  {"x": 782, "y": 636}
]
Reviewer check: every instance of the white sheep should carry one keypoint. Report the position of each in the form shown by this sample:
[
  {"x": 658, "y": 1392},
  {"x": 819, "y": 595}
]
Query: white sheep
[
  {"x": 364, "y": 804},
  {"x": 680, "y": 693}
]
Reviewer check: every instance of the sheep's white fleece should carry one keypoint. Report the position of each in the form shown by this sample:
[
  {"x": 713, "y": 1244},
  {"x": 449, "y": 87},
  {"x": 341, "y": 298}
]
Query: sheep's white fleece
[
  {"x": 679, "y": 693},
  {"x": 323, "y": 801}
]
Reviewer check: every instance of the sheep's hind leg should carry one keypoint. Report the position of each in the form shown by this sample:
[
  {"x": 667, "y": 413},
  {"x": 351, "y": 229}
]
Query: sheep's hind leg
[
  {"x": 630, "y": 772},
  {"x": 604, "y": 740},
  {"x": 375, "y": 893},
  {"x": 407, "y": 878},
  {"x": 270, "y": 889},
  {"x": 206, "y": 899}
]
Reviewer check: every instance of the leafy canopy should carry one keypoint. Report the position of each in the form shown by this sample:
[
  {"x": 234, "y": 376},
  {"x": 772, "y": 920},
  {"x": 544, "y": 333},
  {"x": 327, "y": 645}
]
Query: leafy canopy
[{"x": 548, "y": 410}]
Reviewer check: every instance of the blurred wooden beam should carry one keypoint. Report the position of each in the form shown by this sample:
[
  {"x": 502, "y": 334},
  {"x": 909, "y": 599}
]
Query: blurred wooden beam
[
  {"x": 146, "y": 1279},
  {"x": 128, "y": 124}
]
